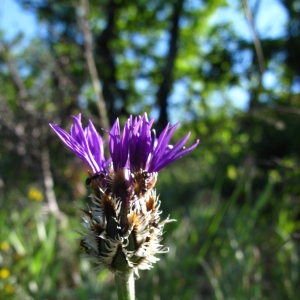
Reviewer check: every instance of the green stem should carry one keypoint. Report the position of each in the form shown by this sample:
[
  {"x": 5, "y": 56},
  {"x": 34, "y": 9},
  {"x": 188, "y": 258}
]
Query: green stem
[{"x": 125, "y": 286}]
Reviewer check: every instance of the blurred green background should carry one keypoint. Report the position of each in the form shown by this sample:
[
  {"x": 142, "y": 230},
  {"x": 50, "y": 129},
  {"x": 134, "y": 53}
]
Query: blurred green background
[{"x": 229, "y": 71}]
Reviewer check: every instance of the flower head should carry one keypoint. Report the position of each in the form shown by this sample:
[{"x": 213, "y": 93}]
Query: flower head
[
  {"x": 123, "y": 231},
  {"x": 136, "y": 149}
]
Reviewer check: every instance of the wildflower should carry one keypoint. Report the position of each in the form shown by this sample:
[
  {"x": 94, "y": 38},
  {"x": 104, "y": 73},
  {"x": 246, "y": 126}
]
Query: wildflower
[
  {"x": 35, "y": 195},
  {"x": 123, "y": 231},
  {"x": 4, "y": 273},
  {"x": 9, "y": 289},
  {"x": 4, "y": 246}
]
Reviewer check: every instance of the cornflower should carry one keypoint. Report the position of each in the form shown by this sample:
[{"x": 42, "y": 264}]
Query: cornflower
[{"x": 123, "y": 231}]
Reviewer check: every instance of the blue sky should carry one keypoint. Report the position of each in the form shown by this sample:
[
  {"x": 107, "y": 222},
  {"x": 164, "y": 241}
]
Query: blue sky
[{"x": 14, "y": 19}]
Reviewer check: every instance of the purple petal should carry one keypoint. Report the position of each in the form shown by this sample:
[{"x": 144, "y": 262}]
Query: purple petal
[
  {"x": 86, "y": 144},
  {"x": 80, "y": 136},
  {"x": 140, "y": 143},
  {"x": 125, "y": 145},
  {"x": 75, "y": 129},
  {"x": 173, "y": 155},
  {"x": 95, "y": 144},
  {"x": 76, "y": 148},
  {"x": 161, "y": 147},
  {"x": 118, "y": 147},
  {"x": 69, "y": 141},
  {"x": 114, "y": 144}
]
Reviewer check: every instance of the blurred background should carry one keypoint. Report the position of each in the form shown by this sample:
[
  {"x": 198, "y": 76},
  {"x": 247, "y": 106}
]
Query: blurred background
[{"x": 229, "y": 71}]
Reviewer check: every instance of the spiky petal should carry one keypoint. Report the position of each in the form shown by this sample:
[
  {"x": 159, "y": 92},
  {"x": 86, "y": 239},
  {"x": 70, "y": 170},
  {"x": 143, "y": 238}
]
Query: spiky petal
[
  {"x": 135, "y": 150},
  {"x": 85, "y": 143}
]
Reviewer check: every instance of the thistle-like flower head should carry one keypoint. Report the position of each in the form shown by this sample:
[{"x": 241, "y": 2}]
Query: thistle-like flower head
[{"x": 123, "y": 231}]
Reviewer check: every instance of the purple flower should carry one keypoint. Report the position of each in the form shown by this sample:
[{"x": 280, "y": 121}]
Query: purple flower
[
  {"x": 163, "y": 153},
  {"x": 135, "y": 150},
  {"x": 140, "y": 143},
  {"x": 118, "y": 148},
  {"x": 150, "y": 154},
  {"x": 87, "y": 144}
]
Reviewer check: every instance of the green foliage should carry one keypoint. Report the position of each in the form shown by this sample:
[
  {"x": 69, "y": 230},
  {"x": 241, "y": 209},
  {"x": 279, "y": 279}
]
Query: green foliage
[
  {"x": 222, "y": 250},
  {"x": 235, "y": 198},
  {"x": 218, "y": 249},
  {"x": 41, "y": 254}
]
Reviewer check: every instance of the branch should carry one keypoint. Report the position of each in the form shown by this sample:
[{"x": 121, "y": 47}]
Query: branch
[
  {"x": 166, "y": 84},
  {"x": 48, "y": 182},
  {"x": 91, "y": 64},
  {"x": 256, "y": 40},
  {"x": 18, "y": 82}
]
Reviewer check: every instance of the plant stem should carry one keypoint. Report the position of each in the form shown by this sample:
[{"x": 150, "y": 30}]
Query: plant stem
[{"x": 125, "y": 286}]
